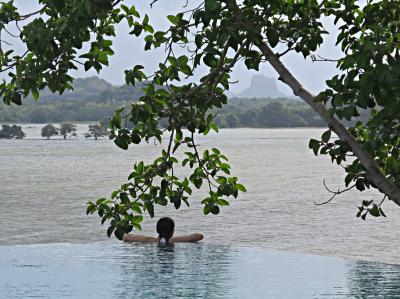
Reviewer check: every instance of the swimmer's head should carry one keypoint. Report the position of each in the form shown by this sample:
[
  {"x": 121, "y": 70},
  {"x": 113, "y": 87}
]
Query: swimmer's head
[{"x": 165, "y": 228}]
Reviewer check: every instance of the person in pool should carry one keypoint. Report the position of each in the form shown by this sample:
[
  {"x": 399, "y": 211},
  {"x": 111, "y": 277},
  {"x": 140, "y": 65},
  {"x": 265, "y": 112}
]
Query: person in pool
[{"x": 165, "y": 229}]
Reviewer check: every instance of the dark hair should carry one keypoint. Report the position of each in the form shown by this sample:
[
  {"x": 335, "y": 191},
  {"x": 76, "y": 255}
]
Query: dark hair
[{"x": 165, "y": 228}]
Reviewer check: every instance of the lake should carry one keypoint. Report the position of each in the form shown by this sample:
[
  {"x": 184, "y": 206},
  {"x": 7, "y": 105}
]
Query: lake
[{"x": 45, "y": 185}]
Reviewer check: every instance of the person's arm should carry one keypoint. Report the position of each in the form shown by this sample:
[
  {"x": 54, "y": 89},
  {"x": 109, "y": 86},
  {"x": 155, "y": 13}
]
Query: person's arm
[
  {"x": 187, "y": 238},
  {"x": 139, "y": 238}
]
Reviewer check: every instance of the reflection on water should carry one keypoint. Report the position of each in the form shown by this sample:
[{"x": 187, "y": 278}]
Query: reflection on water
[
  {"x": 374, "y": 280},
  {"x": 193, "y": 271},
  {"x": 104, "y": 270}
]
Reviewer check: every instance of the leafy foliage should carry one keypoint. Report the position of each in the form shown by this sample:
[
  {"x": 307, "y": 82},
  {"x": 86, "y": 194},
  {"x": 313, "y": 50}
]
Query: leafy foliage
[
  {"x": 218, "y": 35},
  {"x": 67, "y": 129},
  {"x": 96, "y": 131},
  {"x": 49, "y": 131},
  {"x": 11, "y": 132}
]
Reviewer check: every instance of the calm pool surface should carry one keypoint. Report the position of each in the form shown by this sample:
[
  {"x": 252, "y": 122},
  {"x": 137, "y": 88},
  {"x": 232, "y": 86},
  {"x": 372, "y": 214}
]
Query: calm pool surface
[{"x": 114, "y": 270}]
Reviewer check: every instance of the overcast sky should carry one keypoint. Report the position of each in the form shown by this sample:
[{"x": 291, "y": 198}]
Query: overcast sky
[{"x": 129, "y": 52}]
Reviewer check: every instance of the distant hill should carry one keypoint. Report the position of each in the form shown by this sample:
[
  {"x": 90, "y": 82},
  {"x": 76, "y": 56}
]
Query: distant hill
[
  {"x": 95, "y": 89},
  {"x": 261, "y": 87},
  {"x": 90, "y": 86}
]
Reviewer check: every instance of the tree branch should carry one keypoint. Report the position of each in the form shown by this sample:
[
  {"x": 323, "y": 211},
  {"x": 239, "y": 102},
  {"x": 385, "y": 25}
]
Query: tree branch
[
  {"x": 333, "y": 192},
  {"x": 24, "y": 17},
  {"x": 375, "y": 176}
]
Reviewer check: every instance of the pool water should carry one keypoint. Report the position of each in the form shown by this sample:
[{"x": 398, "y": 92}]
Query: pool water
[{"x": 117, "y": 270}]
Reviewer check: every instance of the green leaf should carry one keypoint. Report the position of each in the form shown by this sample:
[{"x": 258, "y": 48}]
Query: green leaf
[
  {"x": 125, "y": 199},
  {"x": 360, "y": 210},
  {"x": 173, "y": 19},
  {"x": 135, "y": 138},
  {"x": 114, "y": 194},
  {"x": 214, "y": 127},
  {"x": 207, "y": 209},
  {"x": 326, "y": 136},
  {"x": 186, "y": 70},
  {"x": 366, "y": 203},
  {"x": 360, "y": 185},
  {"x": 197, "y": 182},
  {"x": 149, "y": 206},
  {"x": 215, "y": 210},
  {"x": 177, "y": 203},
  {"x": 374, "y": 211},
  {"x": 137, "y": 219},
  {"x": 222, "y": 202},
  {"x": 215, "y": 151},
  {"x": 137, "y": 226},
  {"x": 119, "y": 233},
  {"x": 110, "y": 230},
  {"x": 90, "y": 209},
  {"x": 314, "y": 145},
  {"x": 121, "y": 143},
  {"x": 210, "y": 60},
  {"x": 273, "y": 37},
  {"x": 212, "y": 6},
  {"x": 186, "y": 201},
  {"x": 349, "y": 177},
  {"x": 135, "y": 207},
  {"x": 198, "y": 41},
  {"x": 240, "y": 187},
  {"x": 35, "y": 94}
]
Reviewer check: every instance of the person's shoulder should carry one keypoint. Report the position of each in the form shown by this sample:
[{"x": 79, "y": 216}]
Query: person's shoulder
[{"x": 139, "y": 238}]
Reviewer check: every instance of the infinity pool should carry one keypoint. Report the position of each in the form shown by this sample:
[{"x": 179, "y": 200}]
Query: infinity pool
[{"x": 114, "y": 270}]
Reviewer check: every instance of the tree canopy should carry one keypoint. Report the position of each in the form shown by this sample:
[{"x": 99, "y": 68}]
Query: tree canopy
[
  {"x": 49, "y": 130},
  {"x": 96, "y": 131},
  {"x": 67, "y": 130},
  {"x": 11, "y": 132},
  {"x": 218, "y": 35}
]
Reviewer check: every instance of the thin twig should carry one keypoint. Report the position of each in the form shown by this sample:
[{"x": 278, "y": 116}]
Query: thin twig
[
  {"x": 316, "y": 58},
  {"x": 7, "y": 43},
  {"x": 13, "y": 64},
  {"x": 11, "y": 34},
  {"x": 334, "y": 193},
  {"x": 285, "y": 52},
  {"x": 383, "y": 199},
  {"x": 24, "y": 17},
  {"x": 210, "y": 184}
]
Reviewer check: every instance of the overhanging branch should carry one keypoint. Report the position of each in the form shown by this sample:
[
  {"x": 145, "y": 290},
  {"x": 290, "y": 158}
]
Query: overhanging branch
[{"x": 375, "y": 176}]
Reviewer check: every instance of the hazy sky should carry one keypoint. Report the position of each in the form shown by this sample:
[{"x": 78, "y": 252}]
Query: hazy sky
[{"x": 129, "y": 52}]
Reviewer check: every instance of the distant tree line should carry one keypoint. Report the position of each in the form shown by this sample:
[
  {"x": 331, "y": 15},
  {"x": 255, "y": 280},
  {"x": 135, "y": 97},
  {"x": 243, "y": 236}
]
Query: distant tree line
[
  {"x": 49, "y": 130},
  {"x": 267, "y": 113},
  {"x": 94, "y": 100},
  {"x": 69, "y": 130},
  {"x": 257, "y": 113},
  {"x": 83, "y": 110}
]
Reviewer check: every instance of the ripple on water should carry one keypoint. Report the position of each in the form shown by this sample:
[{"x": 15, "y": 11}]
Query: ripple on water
[{"x": 104, "y": 270}]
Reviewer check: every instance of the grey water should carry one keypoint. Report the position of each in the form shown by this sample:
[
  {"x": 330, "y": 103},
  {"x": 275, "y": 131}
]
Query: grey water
[
  {"x": 104, "y": 270},
  {"x": 45, "y": 184}
]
